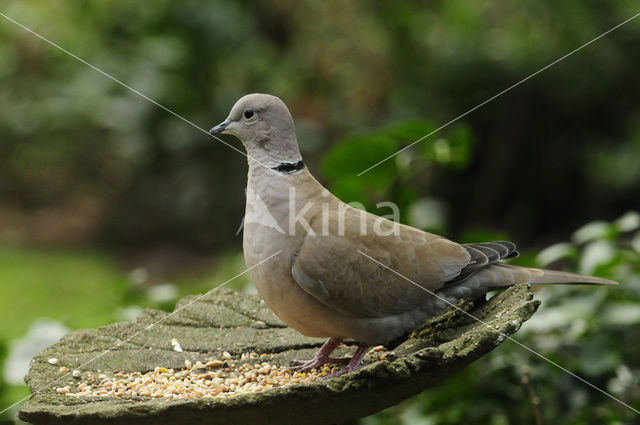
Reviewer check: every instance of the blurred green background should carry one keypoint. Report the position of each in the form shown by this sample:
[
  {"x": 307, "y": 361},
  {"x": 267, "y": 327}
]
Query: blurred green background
[{"x": 108, "y": 204}]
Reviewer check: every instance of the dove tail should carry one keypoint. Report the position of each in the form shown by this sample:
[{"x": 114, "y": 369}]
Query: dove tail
[
  {"x": 486, "y": 270},
  {"x": 501, "y": 275},
  {"x": 543, "y": 276}
]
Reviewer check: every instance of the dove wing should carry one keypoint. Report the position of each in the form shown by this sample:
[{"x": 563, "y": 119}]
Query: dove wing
[{"x": 330, "y": 268}]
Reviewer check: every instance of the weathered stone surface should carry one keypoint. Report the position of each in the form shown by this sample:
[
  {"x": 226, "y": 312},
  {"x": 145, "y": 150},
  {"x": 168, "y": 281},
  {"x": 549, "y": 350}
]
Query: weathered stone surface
[{"x": 228, "y": 321}]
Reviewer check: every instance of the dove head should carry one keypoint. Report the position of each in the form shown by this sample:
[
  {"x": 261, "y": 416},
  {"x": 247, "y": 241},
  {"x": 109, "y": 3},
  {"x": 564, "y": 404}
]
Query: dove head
[{"x": 264, "y": 125}]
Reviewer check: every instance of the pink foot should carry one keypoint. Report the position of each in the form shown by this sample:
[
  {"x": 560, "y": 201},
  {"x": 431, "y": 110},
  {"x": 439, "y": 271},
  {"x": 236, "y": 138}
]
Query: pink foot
[
  {"x": 355, "y": 363},
  {"x": 321, "y": 357}
]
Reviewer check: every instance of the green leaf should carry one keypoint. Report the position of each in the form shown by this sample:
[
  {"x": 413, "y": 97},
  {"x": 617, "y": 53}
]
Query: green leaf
[
  {"x": 410, "y": 131},
  {"x": 629, "y": 222},
  {"x": 354, "y": 155},
  {"x": 453, "y": 151},
  {"x": 596, "y": 254},
  {"x": 621, "y": 314},
  {"x": 591, "y": 231},
  {"x": 556, "y": 252}
]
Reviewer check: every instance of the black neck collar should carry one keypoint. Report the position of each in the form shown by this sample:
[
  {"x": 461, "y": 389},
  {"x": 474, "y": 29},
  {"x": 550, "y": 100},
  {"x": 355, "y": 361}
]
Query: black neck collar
[{"x": 289, "y": 167}]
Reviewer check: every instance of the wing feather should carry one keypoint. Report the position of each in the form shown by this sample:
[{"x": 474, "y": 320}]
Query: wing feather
[{"x": 330, "y": 268}]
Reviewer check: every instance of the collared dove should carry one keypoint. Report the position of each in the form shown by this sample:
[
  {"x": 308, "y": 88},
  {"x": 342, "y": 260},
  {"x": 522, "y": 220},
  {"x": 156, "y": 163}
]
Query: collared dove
[{"x": 341, "y": 272}]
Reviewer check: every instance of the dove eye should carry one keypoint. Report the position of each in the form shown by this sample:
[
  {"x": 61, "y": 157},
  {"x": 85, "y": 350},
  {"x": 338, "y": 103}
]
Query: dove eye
[{"x": 248, "y": 113}]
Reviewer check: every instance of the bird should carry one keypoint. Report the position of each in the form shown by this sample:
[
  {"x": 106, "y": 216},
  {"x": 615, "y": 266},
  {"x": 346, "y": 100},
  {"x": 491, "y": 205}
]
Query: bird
[{"x": 339, "y": 272}]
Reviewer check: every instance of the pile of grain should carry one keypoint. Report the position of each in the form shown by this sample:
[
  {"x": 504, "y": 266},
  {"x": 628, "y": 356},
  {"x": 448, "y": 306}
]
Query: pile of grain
[{"x": 213, "y": 378}]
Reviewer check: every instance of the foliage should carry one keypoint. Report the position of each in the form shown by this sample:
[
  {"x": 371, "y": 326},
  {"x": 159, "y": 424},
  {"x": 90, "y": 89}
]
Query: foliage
[
  {"x": 394, "y": 179},
  {"x": 88, "y": 160}
]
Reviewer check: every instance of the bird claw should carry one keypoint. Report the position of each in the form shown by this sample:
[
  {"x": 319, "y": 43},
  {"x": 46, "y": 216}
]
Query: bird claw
[
  {"x": 354, "y": 365},
  {"x": 355, "y": 362},
  {"x": 322, "y": 358}
]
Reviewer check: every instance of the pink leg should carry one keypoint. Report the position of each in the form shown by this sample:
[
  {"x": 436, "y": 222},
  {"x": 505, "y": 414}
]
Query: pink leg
[
  {"x": 321, "y": 357},
  {"x": 354, "y": 364}
]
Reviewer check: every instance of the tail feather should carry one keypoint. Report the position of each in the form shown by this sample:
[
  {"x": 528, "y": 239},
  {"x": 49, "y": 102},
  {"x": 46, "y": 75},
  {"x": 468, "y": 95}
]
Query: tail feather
[
  {"x": 515, "y": 274},
  {"x": 501, "y": 275},
  {"x": 554, "y": 276},
  {"x": 486, "y": 273}
]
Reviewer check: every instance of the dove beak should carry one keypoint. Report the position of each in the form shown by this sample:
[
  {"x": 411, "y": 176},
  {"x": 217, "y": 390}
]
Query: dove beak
[{"x": 219, "y": 128}]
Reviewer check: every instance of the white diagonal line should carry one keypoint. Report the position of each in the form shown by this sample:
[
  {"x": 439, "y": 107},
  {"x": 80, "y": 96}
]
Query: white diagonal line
[
  {"x": 139, "y": 332},
  {"x": 502, "y": 333},
  {"x": 109, "y": 76},
  {"x": 503, "y": 92}
]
